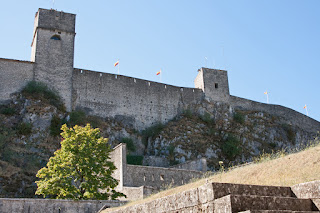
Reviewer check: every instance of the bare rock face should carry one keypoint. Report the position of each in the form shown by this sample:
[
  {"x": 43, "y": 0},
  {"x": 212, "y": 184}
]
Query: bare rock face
[{"x": 220, "y": 132}]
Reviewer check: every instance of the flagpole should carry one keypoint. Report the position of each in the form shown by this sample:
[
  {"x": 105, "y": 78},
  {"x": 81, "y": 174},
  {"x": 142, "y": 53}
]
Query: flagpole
[
  {"x": 118, "y": 67},
  {"x": 306, "y": 109},
  {"x": 266, "y": 92}
]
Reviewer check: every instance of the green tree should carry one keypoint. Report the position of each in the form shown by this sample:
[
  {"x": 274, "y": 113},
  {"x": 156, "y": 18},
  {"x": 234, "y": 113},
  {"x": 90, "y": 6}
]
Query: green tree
[{"x": 80, "y": 169}]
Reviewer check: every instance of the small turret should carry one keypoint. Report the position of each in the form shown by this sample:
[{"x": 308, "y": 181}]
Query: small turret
[{"x": 214, "y": 84}]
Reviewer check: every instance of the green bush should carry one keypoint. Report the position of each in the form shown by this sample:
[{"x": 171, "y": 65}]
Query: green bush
[
  {"x": 40, "y": 90},
  {"x": 95, "y": 121},
  {"x": 55, "y": 126},
  {"x": 211, "y": 132},
  {"x": 134, "y": 159},
  {"x": 151, "y": 132},
  {"x": 187, "y": 113},
  {"x": 231, "y": 147},
  {"x": 8, "y": 111},
  {"x": 238, "y": 117},
  {"x": 3, "y": 140},
  {"x": 24, "y": 128},
  {"x": 291, "y": 135},
  {"x": 77, "y": 118},
  {"x": 130, "y": 145},
  {"x": 207, "y": 118},
  {"x": 171, "y": 155}
]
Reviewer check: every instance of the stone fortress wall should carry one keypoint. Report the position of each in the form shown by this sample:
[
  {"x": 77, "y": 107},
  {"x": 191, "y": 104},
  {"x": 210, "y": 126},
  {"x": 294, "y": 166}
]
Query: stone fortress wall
[
  {"x": 130, "y": 100},
  {"x": 140, "y": 181},
  {"x": 14, "y": 75},
  {"x": 288, "y": 115},
  {"x": 136, "y": 102}
]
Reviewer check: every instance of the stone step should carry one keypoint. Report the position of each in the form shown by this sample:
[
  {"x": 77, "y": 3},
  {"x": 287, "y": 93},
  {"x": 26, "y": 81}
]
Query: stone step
[
  {"x": 223, "y": 189},
  {"x": 238, "y": 203}
]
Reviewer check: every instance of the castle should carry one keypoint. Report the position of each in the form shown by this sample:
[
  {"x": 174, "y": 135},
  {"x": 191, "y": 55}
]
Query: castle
[{"x": 135, "y": 102}]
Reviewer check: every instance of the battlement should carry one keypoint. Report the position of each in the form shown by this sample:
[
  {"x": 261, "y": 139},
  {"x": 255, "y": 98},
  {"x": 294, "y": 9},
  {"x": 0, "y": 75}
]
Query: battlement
[
  {"x": 136, "y": 102},
  {"x": 55, "y": 20},
  {"x": 214, "y": 84}
]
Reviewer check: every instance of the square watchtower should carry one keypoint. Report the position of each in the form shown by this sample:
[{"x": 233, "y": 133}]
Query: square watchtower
[
  {"x": 53, "y": 51},
  {"x": 214, "y": 84}
]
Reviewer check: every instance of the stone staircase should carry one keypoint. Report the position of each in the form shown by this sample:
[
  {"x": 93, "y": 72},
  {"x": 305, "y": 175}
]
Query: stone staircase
[
  {"x": 228, "y": 198},
  {"x": 258, "y": 199}
]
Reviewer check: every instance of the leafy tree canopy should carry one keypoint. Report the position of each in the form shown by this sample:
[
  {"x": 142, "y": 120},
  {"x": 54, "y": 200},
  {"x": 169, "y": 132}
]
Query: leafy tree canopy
[{"x": 80, "y": 168}]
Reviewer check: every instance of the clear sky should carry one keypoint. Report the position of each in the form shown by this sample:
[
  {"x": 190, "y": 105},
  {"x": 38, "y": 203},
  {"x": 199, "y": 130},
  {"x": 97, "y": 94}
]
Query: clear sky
[{"x": 269, "y": 45}]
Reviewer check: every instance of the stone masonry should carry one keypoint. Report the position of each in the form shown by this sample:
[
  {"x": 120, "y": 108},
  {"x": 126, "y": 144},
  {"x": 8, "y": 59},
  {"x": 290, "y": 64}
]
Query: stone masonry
[{"x": 140, "y": 181}]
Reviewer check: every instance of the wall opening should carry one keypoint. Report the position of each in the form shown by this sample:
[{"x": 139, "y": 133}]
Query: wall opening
[
  {"x": 216, "y": 85},
  {"x": 152, "y": 177},
  {"x": 162, "y": 177},
  {"x": 56, "y": 37}
]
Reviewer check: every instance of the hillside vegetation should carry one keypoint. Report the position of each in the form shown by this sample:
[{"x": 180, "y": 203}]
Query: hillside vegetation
[{"x": 288, "y": 170}]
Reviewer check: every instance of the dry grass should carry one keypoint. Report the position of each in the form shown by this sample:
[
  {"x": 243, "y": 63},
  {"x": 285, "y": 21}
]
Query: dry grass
[{"x": 289, "y": 170}]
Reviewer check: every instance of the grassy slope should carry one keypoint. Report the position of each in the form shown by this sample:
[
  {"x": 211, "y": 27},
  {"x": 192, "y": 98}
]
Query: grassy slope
[{"x": 289, "y": 170}]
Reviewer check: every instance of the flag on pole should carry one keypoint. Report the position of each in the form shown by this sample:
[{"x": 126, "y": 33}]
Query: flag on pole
[
  {"x": 158, "y": 73},
  {"x": 305, "y": 107},
  {"x": 115, "y": 64},
  {"x": 266, "y": 93}
]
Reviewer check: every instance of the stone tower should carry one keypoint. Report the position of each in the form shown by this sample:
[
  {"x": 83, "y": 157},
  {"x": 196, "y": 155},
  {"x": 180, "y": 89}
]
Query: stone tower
[
  {"x": 214, "y": 84},
  {"x": 53, "y": 51}
]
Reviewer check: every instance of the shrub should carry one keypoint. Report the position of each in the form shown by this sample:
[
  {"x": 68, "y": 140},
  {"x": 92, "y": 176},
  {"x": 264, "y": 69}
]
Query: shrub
[
  {"x": 211, "y": 132},
  {"x": 95, "y": 121},
  {"x": 8, "y": 155},
  {"x": 3, "y": 140},
  {"x": 187, "y": 113},
  {"x": 291, "y": 135},
  {"x": 206, "y": 118},
  {"x": 231, "y": 147},
  {"x": 171, "y": 156},
  {"x": 55, "y": 126},
  {"x": 151, "y": 132},
  {"x": 129, "y": 142},
  {"x": 8, "y": 111},
  {"x": 41, "y": 91},
  {"x": 24, "y": 128},
  {"x": 135, "y": 159},
  {"x": 238, "y": 117},
  {"x": 77, "y": 118}
]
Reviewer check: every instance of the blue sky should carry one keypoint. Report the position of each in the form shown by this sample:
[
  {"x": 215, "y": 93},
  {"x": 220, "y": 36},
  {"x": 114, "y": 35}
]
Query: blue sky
[{"x": 264, "y": 45}]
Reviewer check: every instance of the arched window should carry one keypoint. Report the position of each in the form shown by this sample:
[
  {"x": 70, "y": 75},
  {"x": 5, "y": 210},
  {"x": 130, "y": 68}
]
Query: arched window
[{"x": 56, "y": 37}]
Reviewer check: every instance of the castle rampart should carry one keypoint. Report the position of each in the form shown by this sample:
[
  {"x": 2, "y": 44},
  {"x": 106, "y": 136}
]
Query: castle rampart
[
  {"x": 130, "y": 100},
  {"x": 288, "y": 115},
  {"x": 14, "y": 75}
]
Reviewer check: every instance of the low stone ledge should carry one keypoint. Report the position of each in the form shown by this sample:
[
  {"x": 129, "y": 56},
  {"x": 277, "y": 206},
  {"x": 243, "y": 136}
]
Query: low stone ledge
[
  {"x": 307, "y": 190},
  {"x": 22, "y": 205}
]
